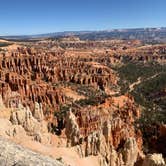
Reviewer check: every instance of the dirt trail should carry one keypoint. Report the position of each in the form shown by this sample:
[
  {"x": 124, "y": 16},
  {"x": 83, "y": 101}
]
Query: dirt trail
[
  {"x": 132, "y": 86},
  {"x": 139, "y": 81}
]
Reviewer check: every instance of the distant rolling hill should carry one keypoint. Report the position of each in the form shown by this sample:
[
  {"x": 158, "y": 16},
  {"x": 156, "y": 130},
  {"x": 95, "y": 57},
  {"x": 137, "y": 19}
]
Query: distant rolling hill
[{"x": 145, "y": 34}]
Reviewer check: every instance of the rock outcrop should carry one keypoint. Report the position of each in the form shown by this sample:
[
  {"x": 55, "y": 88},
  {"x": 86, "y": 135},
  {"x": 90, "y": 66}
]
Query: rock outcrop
[
  {"x": 38, "y": 112},
  {"x": 72, "y": 130},
  {"x": 102, "y": 133},
  {"x": 13, "y": 154},
  {"x": 130, "y": 152},
  {"x": 154, "y": 160},
  {"x": 37, "y": 128}
]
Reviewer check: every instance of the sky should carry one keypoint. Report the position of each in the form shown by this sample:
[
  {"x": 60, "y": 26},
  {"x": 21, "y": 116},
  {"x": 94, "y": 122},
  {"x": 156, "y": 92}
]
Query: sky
[{"x": 24, "y": 17}]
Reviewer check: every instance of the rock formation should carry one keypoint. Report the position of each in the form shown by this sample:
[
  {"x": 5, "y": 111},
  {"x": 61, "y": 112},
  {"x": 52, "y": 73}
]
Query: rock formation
[
  {"x": 33, "y": 127},
  {"x": 13, "y": 154},
  {"x": 154, "y": 160},
  {"x": 72, "y": 130},
  {"x": 101, "y": 123},
  {"x": 98, "y": 133}
]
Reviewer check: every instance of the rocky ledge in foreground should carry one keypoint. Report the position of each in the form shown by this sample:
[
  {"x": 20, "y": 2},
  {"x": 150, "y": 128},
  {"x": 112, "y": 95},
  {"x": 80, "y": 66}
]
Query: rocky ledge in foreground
[{"x": 12, "y": 154}]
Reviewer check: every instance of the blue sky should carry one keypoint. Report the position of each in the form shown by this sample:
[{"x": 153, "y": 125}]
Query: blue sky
[{"x": 18, "y": 17}]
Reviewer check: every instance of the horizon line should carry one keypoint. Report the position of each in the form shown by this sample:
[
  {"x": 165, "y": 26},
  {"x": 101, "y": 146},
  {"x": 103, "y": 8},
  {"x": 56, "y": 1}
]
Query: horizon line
[{"x": 68, "y": 31}]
